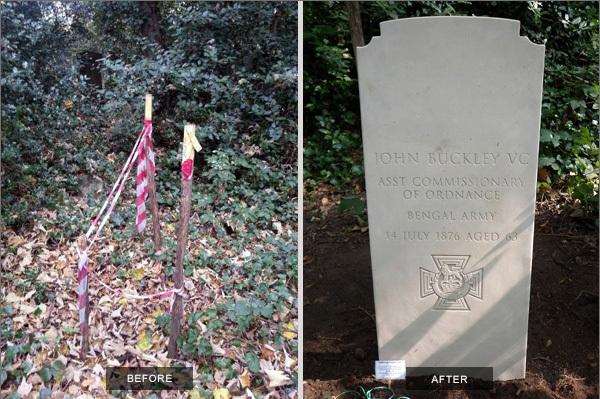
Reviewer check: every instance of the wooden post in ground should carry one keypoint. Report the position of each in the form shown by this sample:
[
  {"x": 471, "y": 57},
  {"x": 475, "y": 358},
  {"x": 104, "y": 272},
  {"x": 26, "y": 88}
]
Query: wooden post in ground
[
  {"x": 83, "y": 285},
  {"x": 187, "y": 168},
  {"x": 152, "y": 184}
]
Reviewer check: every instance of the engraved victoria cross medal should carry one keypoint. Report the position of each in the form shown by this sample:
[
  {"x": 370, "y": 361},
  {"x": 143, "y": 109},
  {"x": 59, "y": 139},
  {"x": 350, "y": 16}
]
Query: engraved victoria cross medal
[{"x": 450, "y": 283}]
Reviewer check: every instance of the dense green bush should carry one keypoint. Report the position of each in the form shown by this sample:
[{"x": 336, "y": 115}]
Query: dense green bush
[
  {"x": 569, "y": 30},
  {"x": 73, "y": 85},
  {"x": 238, "y": 85}
]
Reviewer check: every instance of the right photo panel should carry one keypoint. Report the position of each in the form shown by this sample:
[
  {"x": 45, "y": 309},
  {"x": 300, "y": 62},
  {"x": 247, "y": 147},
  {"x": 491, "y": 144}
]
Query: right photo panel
[{"x": 450, "y": 199}]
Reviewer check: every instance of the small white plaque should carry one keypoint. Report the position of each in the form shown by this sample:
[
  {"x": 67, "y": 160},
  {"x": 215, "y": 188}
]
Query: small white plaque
[{"x": 390, "y": 370}]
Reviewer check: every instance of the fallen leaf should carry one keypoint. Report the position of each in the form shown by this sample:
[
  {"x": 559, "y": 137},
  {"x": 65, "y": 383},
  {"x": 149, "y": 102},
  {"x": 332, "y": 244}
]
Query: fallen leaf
[
  {"x": 26, "y": 261},
  {"x": 170, "y": 227},
  {"x": 35, "y": 379},
  {"x": 290, "y": 326},
  {"x": 290, "y": 331},
  {"x": 144, "y": 342},
  {"x": 219, "y": 377},
  {"x": 51, "y": 335},
  {"x": 106, "y": 299},
  {"x": 277, "y": 378},
  {"x": 24, "y": 388},
  {"x": 29, "y": 294},
  {"x": 44, "y": 278},
  {"x": 73, "y": 389},
  {"x": 138, "y": 273},
  {"x": 290, "y": 362},
  {"x": 12, "y": 298},
  {"x": 267, "y": 352},
  {"x": 117, "y": 348},
  {"x": 15, "y": 241},
  {"x": 98, "y": 370},
  {"x": 245, "y": 379},
  {"x": 194, "y": 394},
  {"x": 27, "y": 309},
  {"x": 221, "y": 393},
  {"x": 19, "y": 321},
  {"x": 217, "y": 350}
]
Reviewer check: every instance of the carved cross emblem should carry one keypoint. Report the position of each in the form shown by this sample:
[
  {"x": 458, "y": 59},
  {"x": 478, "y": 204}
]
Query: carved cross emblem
[{"x": 450, "y": 283}]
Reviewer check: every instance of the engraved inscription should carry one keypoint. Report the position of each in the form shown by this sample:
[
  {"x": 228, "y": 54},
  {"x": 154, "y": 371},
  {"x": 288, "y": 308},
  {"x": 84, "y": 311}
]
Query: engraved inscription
[
  {"x": 436, "y": 215},
  {"x": 471, "y": 236},
  {"x": 451, "y": 158},
  {"x": 429, "y": 186}
]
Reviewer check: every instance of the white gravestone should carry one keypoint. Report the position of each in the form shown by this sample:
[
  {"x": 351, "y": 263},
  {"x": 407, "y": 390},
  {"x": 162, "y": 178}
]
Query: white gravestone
[{"x": 450, "y": 111}]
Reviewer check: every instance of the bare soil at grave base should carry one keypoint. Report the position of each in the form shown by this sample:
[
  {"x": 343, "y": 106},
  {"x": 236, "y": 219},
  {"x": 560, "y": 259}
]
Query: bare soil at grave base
[{"x": 340, "y": 342}]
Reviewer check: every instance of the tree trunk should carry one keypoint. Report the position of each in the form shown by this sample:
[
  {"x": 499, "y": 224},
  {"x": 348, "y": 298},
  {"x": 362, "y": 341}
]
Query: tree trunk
[
  {"x": 151, "y": 27},
  {"x": 90, "y": 67},
  {"x": 276, "y": 19},
  {"x": 355, "y": 22}
]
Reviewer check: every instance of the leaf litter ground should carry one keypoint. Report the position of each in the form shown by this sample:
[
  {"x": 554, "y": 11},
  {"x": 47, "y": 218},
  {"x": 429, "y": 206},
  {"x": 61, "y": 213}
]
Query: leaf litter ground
[
  {"x": 340, "y": 340},
  {"x": 240, "y": 328}
]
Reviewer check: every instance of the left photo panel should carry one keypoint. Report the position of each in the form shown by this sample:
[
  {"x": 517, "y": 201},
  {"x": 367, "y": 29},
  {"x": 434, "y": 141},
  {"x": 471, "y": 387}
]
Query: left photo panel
[{"x": 149, "y": 187}]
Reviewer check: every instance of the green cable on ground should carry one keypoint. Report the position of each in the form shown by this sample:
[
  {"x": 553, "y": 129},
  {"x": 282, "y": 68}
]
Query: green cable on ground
[{"x": 368, "y": 394}]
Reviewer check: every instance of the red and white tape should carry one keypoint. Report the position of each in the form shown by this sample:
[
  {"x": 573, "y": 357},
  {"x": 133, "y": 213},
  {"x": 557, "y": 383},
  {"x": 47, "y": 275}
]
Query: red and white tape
[
  {"x": 114, "y": 194},
  {"x": 143, "y": 152},
  {"x": 187, "y": 169},
  {"x": 145, "y": 167}
]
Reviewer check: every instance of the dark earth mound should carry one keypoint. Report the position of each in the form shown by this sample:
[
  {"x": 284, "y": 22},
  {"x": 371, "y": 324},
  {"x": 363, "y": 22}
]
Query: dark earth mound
[{"x": 340, "y": 342}]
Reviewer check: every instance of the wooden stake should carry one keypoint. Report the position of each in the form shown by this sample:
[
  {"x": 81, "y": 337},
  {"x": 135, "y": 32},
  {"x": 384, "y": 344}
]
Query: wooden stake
[
  {"x": 148, "y": 108},
  {"x": 189, "y": 145},
  {"x": 85, "y": 334},
  {"x": 152, "y": 187}
]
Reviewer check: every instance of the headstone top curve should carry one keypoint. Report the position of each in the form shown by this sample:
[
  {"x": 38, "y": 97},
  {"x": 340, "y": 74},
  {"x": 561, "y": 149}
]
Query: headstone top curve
[{"x": 509, "y": 26}]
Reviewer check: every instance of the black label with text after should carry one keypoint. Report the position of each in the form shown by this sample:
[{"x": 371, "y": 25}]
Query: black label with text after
[{"x": 449, "y": 378}]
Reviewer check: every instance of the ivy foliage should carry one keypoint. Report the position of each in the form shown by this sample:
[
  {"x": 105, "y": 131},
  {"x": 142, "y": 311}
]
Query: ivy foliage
[
  {"x": 568, "y": 144},
  {"x": 75, "y": 75}
]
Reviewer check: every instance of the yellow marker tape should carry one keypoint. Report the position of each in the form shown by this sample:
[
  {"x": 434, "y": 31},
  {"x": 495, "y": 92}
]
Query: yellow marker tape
[{"x": 190, "y": 142}]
